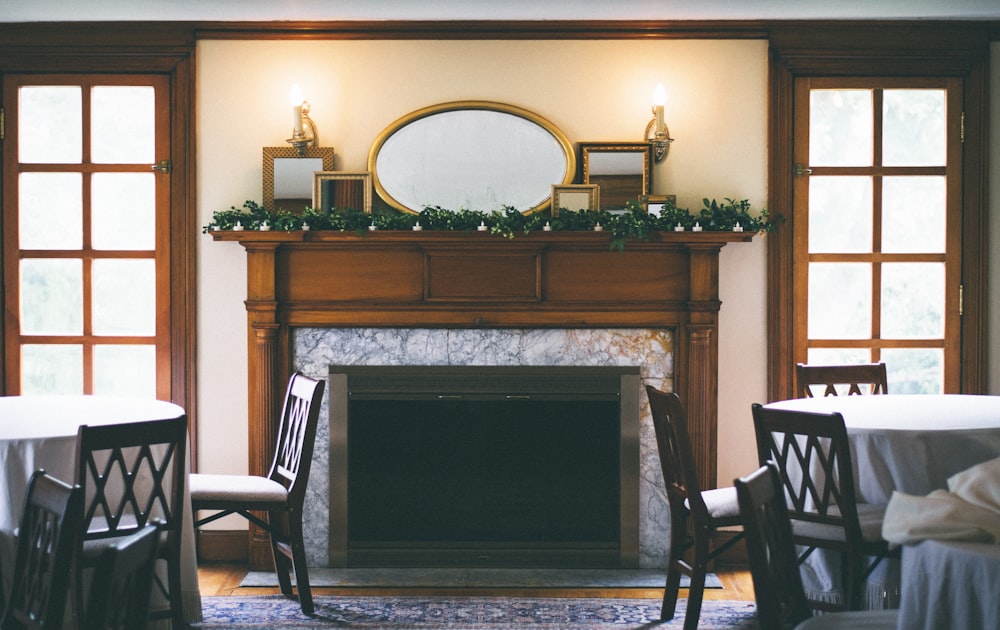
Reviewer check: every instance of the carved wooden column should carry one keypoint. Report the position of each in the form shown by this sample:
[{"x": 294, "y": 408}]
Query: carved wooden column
[{"x": 265, "y": 367}]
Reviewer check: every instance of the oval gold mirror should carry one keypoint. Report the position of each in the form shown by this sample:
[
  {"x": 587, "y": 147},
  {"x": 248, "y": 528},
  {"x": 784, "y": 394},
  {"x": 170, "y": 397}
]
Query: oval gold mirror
[{"x": 473, "y": 155}]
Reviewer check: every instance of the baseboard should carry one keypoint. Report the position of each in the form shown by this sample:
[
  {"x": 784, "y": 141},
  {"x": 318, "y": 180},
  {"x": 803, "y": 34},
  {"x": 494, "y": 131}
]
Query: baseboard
[{"x": 223, "y": 545}]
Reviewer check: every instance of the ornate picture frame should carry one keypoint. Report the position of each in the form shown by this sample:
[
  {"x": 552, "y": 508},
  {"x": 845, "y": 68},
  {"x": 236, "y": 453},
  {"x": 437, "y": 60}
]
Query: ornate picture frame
[
  {"x": 341, "y": 190},
  {"x": 575, "y": 197},
  {"x": 288, "y": 177}
]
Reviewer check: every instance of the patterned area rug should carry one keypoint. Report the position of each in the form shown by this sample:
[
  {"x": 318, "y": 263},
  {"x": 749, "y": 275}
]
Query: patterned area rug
[{"x": 276, "y": 612}]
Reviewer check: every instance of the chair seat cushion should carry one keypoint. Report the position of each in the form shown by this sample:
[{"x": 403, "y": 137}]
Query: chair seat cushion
[
  {"x": 870, "y": 518},
  {"x": 721, "y": 502},
  {"x": 239, "y": 488}
]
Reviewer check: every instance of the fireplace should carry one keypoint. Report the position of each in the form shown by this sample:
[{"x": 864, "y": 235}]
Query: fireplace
[
  {"x": 490, "y": 297},
  {"x": 484, "y": 466}
]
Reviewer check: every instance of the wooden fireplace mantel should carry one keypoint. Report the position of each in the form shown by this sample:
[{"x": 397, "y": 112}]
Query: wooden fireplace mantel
[{"x": 480, "y": 280}]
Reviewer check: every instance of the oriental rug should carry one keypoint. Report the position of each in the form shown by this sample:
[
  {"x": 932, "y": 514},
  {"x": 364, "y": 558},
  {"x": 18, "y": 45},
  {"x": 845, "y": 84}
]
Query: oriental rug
[{"x": 276, "y": 612}]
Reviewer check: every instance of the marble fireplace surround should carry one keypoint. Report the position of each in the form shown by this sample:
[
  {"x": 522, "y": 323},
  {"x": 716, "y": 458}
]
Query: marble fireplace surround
[
  {"x": 316, "y": 349},
  {"x": 533, "y": 298}
]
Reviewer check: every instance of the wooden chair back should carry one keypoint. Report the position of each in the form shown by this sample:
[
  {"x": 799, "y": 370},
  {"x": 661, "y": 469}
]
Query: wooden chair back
[
  {"x": 676, "y": 460},
  {"x": 47, "y": 537},
  {"x": 774, "y": 566},
  {"x": 296, "y": 437},
  {"x": 857, "y": 379},
  {"x": 133, "y": 474},
  {"x": 122, "y": 582}
]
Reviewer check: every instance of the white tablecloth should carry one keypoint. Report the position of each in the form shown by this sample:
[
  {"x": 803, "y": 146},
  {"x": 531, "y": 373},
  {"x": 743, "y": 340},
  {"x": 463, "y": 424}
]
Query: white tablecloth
[
  {"x": 40, "y": 432},
  {"x": 954, "y": 585},
  {"x": 911, "y": 443}
]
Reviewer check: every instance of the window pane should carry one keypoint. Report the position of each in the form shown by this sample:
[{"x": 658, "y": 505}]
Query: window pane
[
  {"x": 51, "y": 369},
  {"x": 124, "y": 210},
  {"x": 51, "y": 297},
  {"x": 840, "y": 128},
  {"x": 914, "y": 370},
  {"x": 913, "y": 300},
  {"x": 50, "y": 211},
  {"x": 840, "y": 215},
  {"x": 50, "y": 128},
  {"x": 837, "y": 356},
  {"x": 840, "y": 303},
  {"x": 125, "y": 370},
  {"x": 913, "y": 214},
  {"x": 914, "y": 132},
  {"x": 123, "y": 125},
  {"x": 124, "y": 297}
]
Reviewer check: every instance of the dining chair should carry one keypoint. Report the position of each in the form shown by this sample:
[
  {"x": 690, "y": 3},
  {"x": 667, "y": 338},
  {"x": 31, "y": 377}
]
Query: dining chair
[
  {"x": 280, "y": 494},
  {"x": 856, "y": 379},
  {"x": 122, "y": 582},
  {"x": 46, "y": 539},
  {"x": 813, "y": 458},
  {"x": 133, "y": 474},
  {"x": 708, "y": 510},
  {"x": 774, "y": 567}
]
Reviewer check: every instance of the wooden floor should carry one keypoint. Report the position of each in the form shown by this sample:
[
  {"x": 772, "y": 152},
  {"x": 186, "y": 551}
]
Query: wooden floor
[{"x": 224, "y": 579}]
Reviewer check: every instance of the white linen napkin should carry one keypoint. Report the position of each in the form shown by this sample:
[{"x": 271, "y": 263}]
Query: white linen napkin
[{"x": 969, "y": 510}]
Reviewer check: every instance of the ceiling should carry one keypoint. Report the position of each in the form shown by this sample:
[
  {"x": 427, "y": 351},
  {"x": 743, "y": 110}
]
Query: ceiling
[{"x": 266, "y": 10}]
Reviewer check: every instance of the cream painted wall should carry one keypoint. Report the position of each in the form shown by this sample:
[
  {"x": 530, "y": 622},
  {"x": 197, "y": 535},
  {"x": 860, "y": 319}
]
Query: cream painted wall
[{"x": 592, "y": 90}]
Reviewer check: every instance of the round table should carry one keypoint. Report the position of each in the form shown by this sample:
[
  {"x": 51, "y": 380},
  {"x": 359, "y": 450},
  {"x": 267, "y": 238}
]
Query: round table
[
  {"x": 910, "y": 443},
  {"x": 40, "y": 432}
]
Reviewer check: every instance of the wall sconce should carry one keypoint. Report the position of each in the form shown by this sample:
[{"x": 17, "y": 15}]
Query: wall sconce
[
  {"x": 661, "y": 135},
  {"x": 304, "y": 132}
]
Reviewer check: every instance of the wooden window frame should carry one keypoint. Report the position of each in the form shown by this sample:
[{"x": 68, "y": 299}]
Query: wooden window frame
[{"x": 960, "y": 51}]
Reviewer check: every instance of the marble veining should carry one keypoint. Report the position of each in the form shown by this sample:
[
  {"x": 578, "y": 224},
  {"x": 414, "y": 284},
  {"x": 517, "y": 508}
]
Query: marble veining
[{"x": 316, "y": 349}]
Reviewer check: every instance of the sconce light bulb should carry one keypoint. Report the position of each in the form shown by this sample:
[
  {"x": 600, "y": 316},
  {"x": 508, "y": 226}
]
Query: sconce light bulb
[
  {"x": 295, "y": 96},
  {"x": 660, "y": 95}
]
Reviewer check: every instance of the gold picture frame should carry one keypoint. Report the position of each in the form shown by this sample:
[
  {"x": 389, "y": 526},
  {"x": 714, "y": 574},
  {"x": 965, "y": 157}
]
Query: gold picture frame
[
  {"x": 575, "y": 197},
  {"x": 622, "y": 170},
  {"x": 288, "y": 176},
  {"x": 342, "y": 190},
  {"x": 653, "y": 204}
]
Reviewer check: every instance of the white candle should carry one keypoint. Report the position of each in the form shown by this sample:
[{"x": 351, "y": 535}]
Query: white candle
[
  {"x": 737, "y": 228},
  {"x": 372, "y": 228},
  {"x": 678, "y": 228},
  {"x": 264, "y": 227},
  {"x": 598, "y": 227},
  {"x": 546, "y": 227},
  {"x": 238, "y": 227},
  {"x": 482, "y": 226},
  {"x": 697, "y": 227},
  {"x": 417, "y": 227},
  {"x": 305, "y": 226},
  {"x": 296, "y": 99},
  {"x": 659, "y": 100}
]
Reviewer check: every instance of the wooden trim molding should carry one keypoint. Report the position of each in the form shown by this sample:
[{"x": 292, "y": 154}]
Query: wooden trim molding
[{"x": 440, "y": 279}]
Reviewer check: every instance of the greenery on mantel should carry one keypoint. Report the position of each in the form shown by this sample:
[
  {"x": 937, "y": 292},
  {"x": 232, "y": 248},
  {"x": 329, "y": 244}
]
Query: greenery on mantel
[{"x": 632, "y": 224}]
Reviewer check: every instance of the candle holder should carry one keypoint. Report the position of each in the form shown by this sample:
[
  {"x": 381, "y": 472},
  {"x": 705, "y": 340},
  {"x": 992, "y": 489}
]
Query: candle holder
[{"x": 305, "y": 133}]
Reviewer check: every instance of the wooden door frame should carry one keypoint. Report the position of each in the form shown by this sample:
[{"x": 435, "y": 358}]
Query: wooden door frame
[
  {"x": 960, "y": 51},
  {"x": 138, "y": 49}
]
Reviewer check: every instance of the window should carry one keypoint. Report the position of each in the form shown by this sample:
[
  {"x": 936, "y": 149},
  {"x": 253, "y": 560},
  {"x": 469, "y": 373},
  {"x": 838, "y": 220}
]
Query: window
[
  {"x": 877, "y": 208},
  {"x": 86, "y": 235}
]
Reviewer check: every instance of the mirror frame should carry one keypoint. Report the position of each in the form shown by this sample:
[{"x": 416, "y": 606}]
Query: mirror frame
[
  {"x": 267, "y": 169},
  {"x": 645, "y": 148},
  {"x": 504, "y": 108}
]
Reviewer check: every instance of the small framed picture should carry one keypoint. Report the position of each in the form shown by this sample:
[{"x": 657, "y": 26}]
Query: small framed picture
[
  {"x": 654, "y": 203},
  {"x": 575, "y": 197},
  {"x": 340, "y": 190}
]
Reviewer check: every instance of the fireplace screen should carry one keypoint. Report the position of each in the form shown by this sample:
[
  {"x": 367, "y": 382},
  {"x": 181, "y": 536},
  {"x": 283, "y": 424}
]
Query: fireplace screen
[{"x": 485, "y": 466}]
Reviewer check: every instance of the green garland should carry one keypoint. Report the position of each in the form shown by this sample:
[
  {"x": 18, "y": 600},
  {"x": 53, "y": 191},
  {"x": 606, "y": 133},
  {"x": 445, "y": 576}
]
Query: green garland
[{"x": 633, "y": 224}]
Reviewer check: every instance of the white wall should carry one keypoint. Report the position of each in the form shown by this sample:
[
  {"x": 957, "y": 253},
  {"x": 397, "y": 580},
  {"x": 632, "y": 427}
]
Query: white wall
[{"x": 592, "y": 90}]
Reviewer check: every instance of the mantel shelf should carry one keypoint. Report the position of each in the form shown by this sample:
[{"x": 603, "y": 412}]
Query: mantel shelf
[{"x": 443, "y": 236}]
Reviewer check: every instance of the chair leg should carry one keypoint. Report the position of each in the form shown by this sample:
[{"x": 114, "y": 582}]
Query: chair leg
[
  {"x": 675, "y": 560},
  {"x": 298, "y": 550},
  {"x": 697, "y": 589},
  {"x": 282, "y": 563}
]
